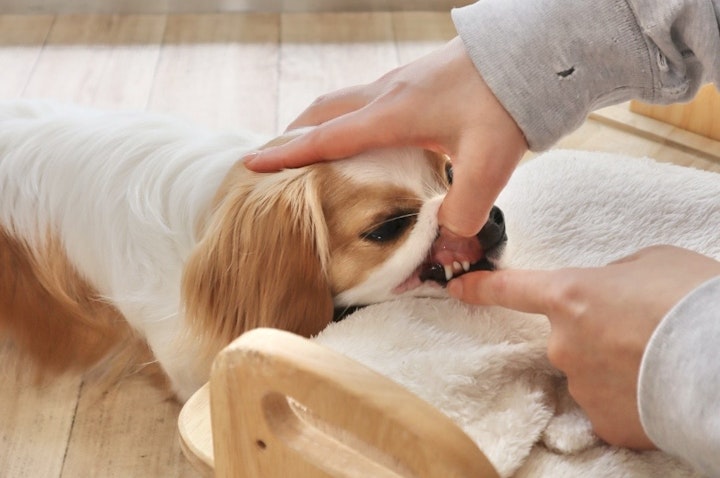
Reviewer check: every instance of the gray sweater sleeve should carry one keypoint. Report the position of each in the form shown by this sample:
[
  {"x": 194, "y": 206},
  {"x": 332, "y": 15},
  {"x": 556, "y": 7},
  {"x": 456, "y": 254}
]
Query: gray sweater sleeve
[
  {"x": 679, "y": 384},
  {"x": 551, "y": 62}
]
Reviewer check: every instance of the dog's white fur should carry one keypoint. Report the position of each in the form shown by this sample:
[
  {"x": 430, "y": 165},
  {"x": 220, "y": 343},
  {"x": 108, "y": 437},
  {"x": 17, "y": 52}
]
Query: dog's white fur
[
  {"x": 486, "y": 367},
  {"x": 158, "y": 222}
]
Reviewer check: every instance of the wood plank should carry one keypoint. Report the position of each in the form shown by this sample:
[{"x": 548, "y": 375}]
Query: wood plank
[
  {"x": 21, "y": 40},
  {"x": 669, "y": 141},
  {"x": 321, "y": 53},
  {"x": 215, "y": 6},
  {"x": 130, "y": 430},
  {"x": 35, "y": 420},
  {"x": 596, "y": 135},
  {"x": 419, "y": 33},
  {"x": 700, "y": 116},
  {"x": 101, "y": 60},
  {"x": 220, "y": 70}
]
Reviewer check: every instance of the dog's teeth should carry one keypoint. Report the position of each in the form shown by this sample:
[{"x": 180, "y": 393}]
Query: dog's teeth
[
  {"x": 466, "y": 266},
  {"x": 448, "y": 272},
  {"x": 456, "y": 267}
]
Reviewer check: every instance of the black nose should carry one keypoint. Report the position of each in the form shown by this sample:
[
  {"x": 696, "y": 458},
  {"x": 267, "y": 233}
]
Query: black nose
[{"x": 493, "y": 232}]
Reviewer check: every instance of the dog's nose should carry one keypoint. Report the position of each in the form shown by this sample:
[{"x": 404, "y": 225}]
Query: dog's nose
[{"x": 493, "y": 232}]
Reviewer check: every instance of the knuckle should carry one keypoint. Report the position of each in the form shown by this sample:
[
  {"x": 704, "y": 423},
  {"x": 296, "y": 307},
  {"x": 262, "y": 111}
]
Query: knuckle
[
  {"x": 316, "y": 139},
  {"x": 566, "y": 298},
  {"x": 322, "y": 100}
]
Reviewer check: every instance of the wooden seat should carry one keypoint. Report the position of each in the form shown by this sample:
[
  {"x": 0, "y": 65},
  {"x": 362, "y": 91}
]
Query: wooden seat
[{"x": 279, "y": 405}]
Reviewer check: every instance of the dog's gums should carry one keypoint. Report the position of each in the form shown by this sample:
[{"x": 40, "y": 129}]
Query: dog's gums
[{"x": 453, "y": 256}]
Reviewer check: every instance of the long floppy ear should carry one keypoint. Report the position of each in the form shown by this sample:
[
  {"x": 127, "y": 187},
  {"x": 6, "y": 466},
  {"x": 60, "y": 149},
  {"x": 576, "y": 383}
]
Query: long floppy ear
[{"x": 261, "y": 261}]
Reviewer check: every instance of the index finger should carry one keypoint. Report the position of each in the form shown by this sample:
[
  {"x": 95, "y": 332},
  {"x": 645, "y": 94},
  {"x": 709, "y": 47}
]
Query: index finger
[
  {"x": 326, "y": 142},
  {"x": 332, "y": 105},
  {"x": 521, "y": 290},
  {"x": 338, "y": 138}
]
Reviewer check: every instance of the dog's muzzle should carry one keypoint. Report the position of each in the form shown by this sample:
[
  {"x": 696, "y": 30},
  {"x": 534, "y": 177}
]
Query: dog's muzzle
[{"x": 492, "y": 237}]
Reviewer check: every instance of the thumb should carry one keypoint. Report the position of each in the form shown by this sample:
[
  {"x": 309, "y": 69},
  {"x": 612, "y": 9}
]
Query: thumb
[{"x": 478, "y": 178}]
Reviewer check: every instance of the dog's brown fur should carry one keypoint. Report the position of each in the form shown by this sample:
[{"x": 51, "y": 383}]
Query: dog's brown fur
[
  {"x": 227, "y": 289},
  {"x": 51, "y": 311}
]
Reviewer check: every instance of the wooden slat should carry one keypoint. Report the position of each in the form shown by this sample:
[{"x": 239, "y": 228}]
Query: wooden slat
[
  {"x": 324, "y": 52},
  {"x": 128, "y": 431},
  {"x": 21, "y": 40},
  {"x": 226, "y": 6},
  {"x": 657, "y": 139},
  {"x": 220, "y": 70},
  {"x": 35, "y": 421},
  {"x": 700, "y": 116},
  {"x": 419, "y": 33},
  {"x": 101, "y": 60}
]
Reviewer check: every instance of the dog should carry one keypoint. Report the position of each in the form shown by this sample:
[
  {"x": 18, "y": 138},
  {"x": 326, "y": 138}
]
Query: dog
[{"x": 117, "y": 225}]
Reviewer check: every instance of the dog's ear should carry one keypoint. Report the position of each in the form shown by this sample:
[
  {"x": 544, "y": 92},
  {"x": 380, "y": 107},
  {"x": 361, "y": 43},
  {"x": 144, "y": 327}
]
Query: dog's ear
[{"x": 261, "y": 262}]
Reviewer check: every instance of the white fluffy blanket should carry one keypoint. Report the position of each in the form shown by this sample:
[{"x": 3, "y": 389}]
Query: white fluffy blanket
[{"x": 486, "y": 367}]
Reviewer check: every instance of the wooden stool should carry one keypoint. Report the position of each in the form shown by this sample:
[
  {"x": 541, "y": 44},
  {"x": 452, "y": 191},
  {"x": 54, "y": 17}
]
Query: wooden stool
[{"x": 279, "y": 405}]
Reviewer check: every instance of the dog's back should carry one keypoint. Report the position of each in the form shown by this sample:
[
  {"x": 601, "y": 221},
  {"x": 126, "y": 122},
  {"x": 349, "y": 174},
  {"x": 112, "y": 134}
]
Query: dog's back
[{"x": 97, "y": 213}]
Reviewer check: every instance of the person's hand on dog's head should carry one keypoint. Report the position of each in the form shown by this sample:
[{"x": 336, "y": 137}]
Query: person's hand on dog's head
[{"x": 438, "y": 102}]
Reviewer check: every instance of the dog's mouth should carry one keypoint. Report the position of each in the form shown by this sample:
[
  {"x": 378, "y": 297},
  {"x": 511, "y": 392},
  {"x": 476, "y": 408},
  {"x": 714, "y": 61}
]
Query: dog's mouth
[{"x": 453, "y": 256}]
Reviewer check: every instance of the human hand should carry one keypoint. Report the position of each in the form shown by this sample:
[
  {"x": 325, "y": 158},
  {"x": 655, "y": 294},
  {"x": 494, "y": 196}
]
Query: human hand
[
  {"x": 601, "y": 321},
  {"x": 438, "y": 102}
]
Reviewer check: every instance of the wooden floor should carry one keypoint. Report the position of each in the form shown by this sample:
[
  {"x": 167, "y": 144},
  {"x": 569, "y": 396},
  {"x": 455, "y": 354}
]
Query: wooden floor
[{"x": 253, "y": 71}]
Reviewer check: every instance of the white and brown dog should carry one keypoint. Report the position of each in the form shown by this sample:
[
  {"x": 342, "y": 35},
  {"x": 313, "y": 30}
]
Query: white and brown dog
[{"x": 111, "y": 219}]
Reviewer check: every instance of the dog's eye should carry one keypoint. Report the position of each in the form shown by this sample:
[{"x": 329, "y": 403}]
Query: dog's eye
[
  {"x": 389, "y": 229},
  {"x": 449, "y": 172}
]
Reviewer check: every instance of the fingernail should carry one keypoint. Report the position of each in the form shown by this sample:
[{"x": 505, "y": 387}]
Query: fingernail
[
  {"x": 455, "y": 289},
  {"x": 250, "y": 157}
]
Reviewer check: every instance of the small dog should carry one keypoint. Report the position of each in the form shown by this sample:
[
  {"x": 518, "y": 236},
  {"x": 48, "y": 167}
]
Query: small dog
[{"x": 117, "y": 219}]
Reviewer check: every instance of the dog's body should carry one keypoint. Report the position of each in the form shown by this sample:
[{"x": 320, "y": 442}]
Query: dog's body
[
  {"x": 113, "y": 217},
  {"x": 112, "y": 210}
]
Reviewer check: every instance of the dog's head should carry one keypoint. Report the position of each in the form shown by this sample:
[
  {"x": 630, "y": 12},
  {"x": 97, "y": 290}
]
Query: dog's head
[{"x": 282, "y": 249}]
